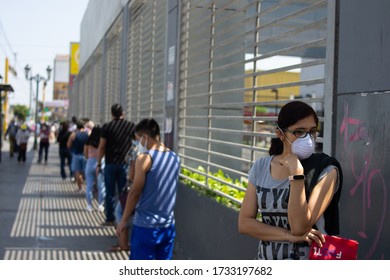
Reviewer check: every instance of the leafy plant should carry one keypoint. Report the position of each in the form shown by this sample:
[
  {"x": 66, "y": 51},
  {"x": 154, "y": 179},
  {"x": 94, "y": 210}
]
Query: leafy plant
[
  {"x": 214, "y": 186},
  {"x": 21, "y": 112}
]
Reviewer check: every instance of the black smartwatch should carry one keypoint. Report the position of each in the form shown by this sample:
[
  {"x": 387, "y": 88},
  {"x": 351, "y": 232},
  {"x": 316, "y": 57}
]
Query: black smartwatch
[{"x": 296, "y": 177}]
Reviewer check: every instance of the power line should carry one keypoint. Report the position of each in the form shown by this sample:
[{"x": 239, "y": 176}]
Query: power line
[{"x": 6, "y": 38}]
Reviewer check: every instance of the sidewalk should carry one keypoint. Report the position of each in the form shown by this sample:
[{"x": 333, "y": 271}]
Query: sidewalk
[{"x": 44, "y": 218}]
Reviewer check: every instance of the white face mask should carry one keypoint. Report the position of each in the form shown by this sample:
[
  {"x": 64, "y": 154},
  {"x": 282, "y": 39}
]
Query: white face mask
[
  {"x": 303, "y": 147},
  {"x": 142, "y": 149}
]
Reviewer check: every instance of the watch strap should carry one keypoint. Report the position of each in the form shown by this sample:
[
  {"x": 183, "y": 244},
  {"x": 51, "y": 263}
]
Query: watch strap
[{"x": 296, "y": 177}]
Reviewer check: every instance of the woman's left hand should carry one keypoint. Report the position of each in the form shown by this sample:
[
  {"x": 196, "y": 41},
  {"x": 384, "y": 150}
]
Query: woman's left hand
[
  {"x": 309, "y": 237},
  {"x": 292, "y": 163},
  {"x": 316, "y": 236}
]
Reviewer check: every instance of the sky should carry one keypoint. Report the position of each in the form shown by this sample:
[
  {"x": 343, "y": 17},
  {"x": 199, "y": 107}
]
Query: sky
[{"x": 33, "y": 32}]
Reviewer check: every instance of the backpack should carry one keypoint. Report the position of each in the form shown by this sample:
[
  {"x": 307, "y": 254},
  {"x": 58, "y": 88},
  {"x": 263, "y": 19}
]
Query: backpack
[{"x": 13, "y": 129}]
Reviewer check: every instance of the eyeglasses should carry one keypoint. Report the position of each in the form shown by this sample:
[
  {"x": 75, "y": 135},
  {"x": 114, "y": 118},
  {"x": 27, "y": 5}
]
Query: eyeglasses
[{"x": 301, "y": 133}]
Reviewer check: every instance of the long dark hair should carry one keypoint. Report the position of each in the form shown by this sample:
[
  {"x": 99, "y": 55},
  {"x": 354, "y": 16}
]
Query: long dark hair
[
  {"x": 290, "y": 113},
  {"x": 94, "y": 137}
]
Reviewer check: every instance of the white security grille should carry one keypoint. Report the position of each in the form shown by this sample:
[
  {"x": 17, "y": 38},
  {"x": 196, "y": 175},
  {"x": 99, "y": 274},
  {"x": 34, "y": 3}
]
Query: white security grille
[
  {"x": 240, "y": 61},
  {"x": 86, "y": 99},
  {"x": 113, "y": 64},
  {"x": 96, "y": 69},
  {"x": 145, "y": 88}
]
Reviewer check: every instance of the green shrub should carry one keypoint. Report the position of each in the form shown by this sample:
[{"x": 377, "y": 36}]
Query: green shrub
[{"x": 211, "y": 188}]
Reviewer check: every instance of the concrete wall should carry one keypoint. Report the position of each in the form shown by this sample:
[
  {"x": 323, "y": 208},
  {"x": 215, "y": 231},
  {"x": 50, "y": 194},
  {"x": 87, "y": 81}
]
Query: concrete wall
[
  {"x": 363, "y": 95},
  {"x": 207, "y": 230},
  {"x": 98, "y": 17}
]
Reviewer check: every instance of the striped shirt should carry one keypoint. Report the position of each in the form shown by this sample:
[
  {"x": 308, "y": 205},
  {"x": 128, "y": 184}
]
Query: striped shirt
[
  {"x": 117, "y": 134},
  {"x": 157, "y": 201}
]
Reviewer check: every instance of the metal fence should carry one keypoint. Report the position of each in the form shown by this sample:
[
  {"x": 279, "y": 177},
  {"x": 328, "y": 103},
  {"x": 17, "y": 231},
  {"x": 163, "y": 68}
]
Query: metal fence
[{"x": 239, "y": 61}]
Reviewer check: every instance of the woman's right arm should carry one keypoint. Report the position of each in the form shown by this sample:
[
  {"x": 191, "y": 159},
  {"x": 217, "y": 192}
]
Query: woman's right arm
[
  {"x": 248, "y": 224},
  {"x": 70, "y": 140}
]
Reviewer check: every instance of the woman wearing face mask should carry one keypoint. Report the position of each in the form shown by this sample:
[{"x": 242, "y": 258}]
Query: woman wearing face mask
[{"x": 296, "y": 190}]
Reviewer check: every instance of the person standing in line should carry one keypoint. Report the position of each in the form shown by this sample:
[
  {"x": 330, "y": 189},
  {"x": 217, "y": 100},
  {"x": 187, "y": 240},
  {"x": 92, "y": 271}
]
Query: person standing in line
[
  {"x": 296, "y": 190},
  {"x": 89, "y": 125},
  {"x": 11, "y": 131},
  {"x": 76, "y": 144},
  {"x": 114, "y": 145},
  {"x": 44, "y": 142},
  {"x": 22, "y": 140},
  {"x": 64, "y": 151},
  {"x": 53, "y": 133},
  {"x": 123, "y": 240},
  {"x": 152, "y": 196},
  {"x": 73, "y": 124},
  {"x": 91, "y": 154}
]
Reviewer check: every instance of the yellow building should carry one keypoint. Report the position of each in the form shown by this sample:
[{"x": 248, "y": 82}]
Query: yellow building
[{"x": 281, "y": 93}]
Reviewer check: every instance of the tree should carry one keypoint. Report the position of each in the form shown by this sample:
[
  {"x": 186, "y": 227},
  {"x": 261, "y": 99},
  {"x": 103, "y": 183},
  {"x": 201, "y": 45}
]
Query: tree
[{"x": 20, "y": 111}]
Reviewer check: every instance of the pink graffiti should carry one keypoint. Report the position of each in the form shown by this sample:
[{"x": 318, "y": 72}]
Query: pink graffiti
[
  {"x": 366, "y": 176},
  {"x": 345, "y": 125}
]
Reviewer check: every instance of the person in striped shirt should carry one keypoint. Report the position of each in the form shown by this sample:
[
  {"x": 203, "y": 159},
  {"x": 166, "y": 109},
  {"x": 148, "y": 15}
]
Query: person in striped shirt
[
  {"x": 152, "y": 196},
  {"x": 115, "y": 142}
]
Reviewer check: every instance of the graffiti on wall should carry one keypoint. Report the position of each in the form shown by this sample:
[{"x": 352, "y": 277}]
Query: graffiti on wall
[{"x": 366, "y": 178}]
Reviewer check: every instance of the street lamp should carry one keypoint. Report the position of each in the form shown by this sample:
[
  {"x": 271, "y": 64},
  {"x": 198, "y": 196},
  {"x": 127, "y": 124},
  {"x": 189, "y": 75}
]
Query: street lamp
[{"x": 37, "y": 78}]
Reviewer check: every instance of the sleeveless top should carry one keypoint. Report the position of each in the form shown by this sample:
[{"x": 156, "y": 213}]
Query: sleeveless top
[
  {"x": 157, "y": 201},
  {"x": 79, "y": 142}
]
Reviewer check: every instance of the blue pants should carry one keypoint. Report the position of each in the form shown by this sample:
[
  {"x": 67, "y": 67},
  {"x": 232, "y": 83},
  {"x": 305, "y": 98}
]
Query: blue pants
[
  {"x": 91, "y": 178},
  {"x": 78, "y": 163},
  {"x": 115, "y": 179},
  {"x": 152, "y": 243}
]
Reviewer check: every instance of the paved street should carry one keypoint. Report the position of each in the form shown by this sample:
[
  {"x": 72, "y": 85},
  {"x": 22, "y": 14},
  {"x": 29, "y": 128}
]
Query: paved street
[{"x": 43, "y": 217}]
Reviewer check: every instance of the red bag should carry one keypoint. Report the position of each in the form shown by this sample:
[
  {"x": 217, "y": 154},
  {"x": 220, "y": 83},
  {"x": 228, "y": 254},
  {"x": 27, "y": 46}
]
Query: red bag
[{"x": 334, "y": 248}]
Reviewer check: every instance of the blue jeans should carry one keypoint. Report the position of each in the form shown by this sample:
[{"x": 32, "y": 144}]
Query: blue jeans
[
  {"x": 152, "y": 243},
  {"x": 115, "y": 179},
  {"x": 90, "y": 178},
  {"x": 65, "y": 155},
  {"x": 78, "y": 163}
]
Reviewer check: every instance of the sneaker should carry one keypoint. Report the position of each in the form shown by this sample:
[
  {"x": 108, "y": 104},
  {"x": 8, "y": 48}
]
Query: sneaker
[
  {"x": 89, "y": 208},
  {"x": 101, "y": 208},
  {"x": 108, "y": 224}
]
